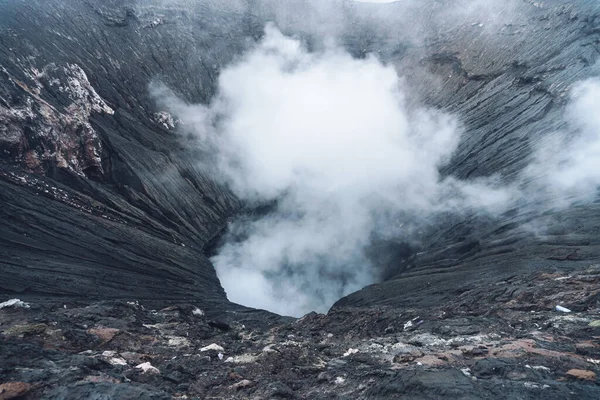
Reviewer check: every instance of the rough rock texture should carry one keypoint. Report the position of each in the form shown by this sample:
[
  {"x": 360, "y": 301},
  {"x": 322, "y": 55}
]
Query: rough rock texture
[
  {"x": 101, "y": 199},
  {"x": 502, "y": 340},
  {"x": 98, "y": 197},
  {"x": 98, "y": 192},
  {"x": 509, "y": 83}
]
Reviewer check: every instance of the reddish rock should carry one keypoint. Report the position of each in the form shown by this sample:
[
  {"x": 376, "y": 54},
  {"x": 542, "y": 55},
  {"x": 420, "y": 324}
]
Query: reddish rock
[
  {"x": 235, "y": 376},
  {"x": 106, "y": 334},
  {"x": 13, "y": 390},
  {"x": 581, "y": 374}
]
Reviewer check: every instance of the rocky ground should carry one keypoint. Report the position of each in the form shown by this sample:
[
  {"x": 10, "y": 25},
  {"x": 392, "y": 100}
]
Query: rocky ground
[{"x": 504, "y": 340}]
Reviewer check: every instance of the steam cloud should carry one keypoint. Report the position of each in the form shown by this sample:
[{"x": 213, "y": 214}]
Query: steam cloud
[
  {"x": 330, "y": 139},
  {"x": 330, "y": 142},
  {"x": 566, "y": 169}
]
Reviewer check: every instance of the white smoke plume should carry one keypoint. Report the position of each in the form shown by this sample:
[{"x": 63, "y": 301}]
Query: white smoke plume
[
  {"x": 332, "y": 141},
  {"x": 335, "y": 148},
  {"x": 566, "y": 169}
]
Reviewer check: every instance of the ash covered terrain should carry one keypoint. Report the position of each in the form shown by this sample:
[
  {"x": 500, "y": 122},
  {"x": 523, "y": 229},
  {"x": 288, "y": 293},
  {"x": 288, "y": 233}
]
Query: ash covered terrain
[{"x": 299, "y": 199}]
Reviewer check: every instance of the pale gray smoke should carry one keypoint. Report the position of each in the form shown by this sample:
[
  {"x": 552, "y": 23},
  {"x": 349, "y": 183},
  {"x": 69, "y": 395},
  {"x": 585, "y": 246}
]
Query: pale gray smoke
[
  {"x": 566, "y": 169},
  {"x": 330, "y": 142}
]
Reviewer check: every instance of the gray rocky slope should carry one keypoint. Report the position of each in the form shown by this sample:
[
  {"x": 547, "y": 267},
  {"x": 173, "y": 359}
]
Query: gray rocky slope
[{"x": 102, "y": 199}]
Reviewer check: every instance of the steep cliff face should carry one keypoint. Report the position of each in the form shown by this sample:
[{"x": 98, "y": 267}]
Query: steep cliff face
[
  {"x": 99, "y": 198},
  {"x": 510, "y": 82}
]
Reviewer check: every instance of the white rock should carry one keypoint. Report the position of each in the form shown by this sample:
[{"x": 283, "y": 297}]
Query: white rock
[
  {"x": 340, "y": 380},
  {"x": 177, "y": 341},
  {"x": 242, "y": 359},
  {"x": 268, "y": 349},
  {"x": 533, "y": 385},
  {"x": 214, "y": 347},
  {"x": 16, "y": 303},
  {"x": 350, "y": 351},
  {"x": 117, "y": 361},
  {"x": 538, "y": 368},
  {"x": 198, "y": 312},
  {"x": 147, "y": 368},
  {"x": 220, "y": 355},
  {"x": 562, "y": 309}
]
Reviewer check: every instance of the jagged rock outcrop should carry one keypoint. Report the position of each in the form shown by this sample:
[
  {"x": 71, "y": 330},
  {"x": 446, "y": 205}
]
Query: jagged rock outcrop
[{"x": 98, "y": 197}]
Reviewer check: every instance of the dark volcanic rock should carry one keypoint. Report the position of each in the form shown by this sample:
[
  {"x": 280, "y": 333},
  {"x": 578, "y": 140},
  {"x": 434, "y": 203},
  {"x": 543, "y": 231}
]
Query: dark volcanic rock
[
  {"x": 349, "y": 353},
  {"x": 106, "y": 391},
  {"x": 510, "y": 88},
  {"x": 101, "y": 199},
  {"x": 98, "y": 199}
]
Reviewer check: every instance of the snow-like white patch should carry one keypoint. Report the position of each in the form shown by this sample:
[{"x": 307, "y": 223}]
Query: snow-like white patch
[
  {"x": 117, "y": 361},
  {"x": 533, "y": 385},
  {"x": 176, "y": 341},
  {"x": 214, "y": 347},
  {"x": 269, "y": 348},
  {"x": 82, "y": 93},
  {"x": 147, "y": 368},
  {"x": 198, "y": 312},
  {"x": 562, "y": 309},
  {"x": 340, "y": 380},
  {"x": 15, "y": 303},
  {"x": 242, "y": 359},
  {"x": 165, "y": 119},
  {"x": 350, "y": 352},
  {"x": 112, "y": 358},
  {"x": 538, "y": 368}
]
